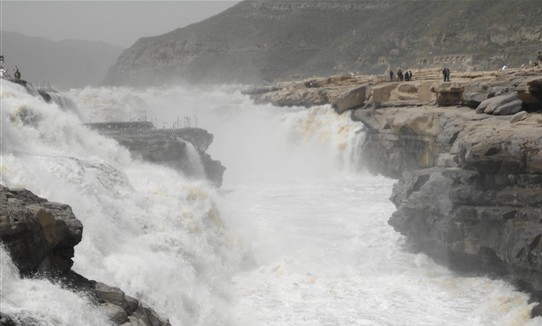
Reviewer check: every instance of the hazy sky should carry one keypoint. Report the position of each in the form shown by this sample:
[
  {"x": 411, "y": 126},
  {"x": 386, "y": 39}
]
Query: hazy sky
[{"x": 115, "y": 22}]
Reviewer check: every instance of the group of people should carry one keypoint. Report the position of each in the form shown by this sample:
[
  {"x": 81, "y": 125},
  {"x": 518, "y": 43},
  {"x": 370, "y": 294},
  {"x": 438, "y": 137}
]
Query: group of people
[
  {"x": 406, "y": 76},
  {"x": 5, "y": 75}
]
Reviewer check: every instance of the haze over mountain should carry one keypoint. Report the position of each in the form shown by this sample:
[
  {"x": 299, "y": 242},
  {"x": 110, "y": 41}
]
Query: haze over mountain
[
  {"x": 266, "y": 40},
  {"x": 63, "y": 64}
]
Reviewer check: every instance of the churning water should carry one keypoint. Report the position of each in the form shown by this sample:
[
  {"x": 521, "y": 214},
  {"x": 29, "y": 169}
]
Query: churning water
[{"x": 297, "y": 234}]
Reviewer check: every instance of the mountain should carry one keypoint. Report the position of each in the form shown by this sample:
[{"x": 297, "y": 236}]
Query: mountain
[
  {"x": 62, "y": 64},
  {"x": 269, "y": 40}
]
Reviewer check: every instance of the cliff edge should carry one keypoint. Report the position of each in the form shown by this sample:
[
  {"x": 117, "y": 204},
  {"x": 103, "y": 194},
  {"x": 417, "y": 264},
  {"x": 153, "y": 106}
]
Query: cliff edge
[{"x": 467, "y": 155}]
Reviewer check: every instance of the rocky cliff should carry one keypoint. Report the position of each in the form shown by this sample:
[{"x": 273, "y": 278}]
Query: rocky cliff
[
  {"x": 40, "y": 237},
  {"x": 269, "y": 40},
  {"x": 182, "y": 149},
  {"x": 467, "y": 155}
]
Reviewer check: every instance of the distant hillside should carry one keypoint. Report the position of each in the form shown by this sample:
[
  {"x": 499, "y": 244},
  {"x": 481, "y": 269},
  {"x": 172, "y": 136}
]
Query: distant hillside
[
  {"x": 265, "y": 40},
  {"x": 63, "y": 64}
]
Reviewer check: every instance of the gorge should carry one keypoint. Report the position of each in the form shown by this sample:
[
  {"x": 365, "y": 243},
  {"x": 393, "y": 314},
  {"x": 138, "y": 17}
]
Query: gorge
[{"x": 467, "y": 156}]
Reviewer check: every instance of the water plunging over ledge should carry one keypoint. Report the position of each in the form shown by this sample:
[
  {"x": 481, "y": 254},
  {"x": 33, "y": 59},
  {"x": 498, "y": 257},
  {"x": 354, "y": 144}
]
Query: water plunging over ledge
[{"x": 295, "y": 236}]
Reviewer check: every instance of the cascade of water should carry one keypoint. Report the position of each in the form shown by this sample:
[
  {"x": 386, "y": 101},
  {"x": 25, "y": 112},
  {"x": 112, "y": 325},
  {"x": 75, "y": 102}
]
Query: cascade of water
[
  {"x": 40, "y": 302},
  {"x": 293, "y": 236},
  {"x": 196, "y": 166}
]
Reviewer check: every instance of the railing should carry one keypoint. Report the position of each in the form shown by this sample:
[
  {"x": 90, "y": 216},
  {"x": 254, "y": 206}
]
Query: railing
[{"x": 179, "y": 123}]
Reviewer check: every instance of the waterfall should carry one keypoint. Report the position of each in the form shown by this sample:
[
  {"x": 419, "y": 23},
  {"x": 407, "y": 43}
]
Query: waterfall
[{"x": 297, "y": 234}]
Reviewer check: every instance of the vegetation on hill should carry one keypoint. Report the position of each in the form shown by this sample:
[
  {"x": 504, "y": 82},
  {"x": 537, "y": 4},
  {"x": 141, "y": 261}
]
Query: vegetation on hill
[{"x": 266, "y": 40}]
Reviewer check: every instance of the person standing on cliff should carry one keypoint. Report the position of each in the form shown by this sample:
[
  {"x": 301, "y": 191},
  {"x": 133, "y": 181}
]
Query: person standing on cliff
[
  {"x": 391, "y": 75},
  {"x": 447, "y": 74},
  {"x": 17, "y": 73},
  {"x": 400, "y": 75},
  {"x": 444, "y": 73}
]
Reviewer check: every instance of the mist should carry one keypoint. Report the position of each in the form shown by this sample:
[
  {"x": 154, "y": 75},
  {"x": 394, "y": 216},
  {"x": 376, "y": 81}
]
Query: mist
[{"x": 72, "y": 44}]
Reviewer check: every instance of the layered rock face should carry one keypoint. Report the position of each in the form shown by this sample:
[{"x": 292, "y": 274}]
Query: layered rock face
[
  {"x": 270, "y": 40},
  {"x": 470, "y": 184},
  {"x": 167, "y": 146},
  {"x": 468, "y": 158},
  {"x": 40, "y": 237}
]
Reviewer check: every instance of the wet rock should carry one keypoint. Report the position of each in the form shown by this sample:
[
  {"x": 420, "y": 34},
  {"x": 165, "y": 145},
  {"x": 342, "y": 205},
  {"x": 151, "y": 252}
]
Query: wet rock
[
  {"x": 39, "y": 235},
  {"x": 536, "y": 311},
  {"x": 115, "y": 313},
  {"x": 170, "y": 147},
  {"x": 6, "y": 320},
  {"x": 110, "y": 294},
  {"x": 133, "y": 321},
  {"x": 477, "y": 206}
]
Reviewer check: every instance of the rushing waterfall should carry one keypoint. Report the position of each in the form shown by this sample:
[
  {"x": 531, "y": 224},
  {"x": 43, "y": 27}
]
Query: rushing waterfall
[
  {"x": 297, "y": 234},
  {"x": 196, "y": 166}
]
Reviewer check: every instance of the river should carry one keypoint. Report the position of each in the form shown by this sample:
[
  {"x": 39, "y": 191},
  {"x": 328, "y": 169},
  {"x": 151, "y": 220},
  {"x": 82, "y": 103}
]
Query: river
[{"x": 296, "y": 235}]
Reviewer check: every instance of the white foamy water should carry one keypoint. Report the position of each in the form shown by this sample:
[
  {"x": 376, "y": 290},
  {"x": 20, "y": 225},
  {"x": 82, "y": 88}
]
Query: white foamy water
[{"x": 295, "y": 236}]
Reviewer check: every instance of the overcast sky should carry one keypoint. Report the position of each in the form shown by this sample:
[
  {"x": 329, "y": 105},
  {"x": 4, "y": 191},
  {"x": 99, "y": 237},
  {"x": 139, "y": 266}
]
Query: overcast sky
[{"x": 115, "y": 22}]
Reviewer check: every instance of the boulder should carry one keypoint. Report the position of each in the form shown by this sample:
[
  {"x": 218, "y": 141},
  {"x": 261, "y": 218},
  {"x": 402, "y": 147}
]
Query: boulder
[
  {"x": 110, "y": 294},
  {"x": 352, "y": 99},
  {"x": 39, "y": 235},
  {"x": 509, "y": 108},
  {"x": 381, "y": 93},
  {"x": 115, "y": 313},
  {"x": 475, "y": 93},
  {"x": 133, "y": 321},
  {"x": 520, "y": 116},
  {"x": 530, "y": 92},
  {"x": 491, "y": 104},
  {"x": 448, "y": 94}
]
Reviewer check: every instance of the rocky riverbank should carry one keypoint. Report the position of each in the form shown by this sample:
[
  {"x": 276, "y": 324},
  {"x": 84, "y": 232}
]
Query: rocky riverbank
[
  {"x": 467, "y": 155},
  {"x": 40, "y": 237}
]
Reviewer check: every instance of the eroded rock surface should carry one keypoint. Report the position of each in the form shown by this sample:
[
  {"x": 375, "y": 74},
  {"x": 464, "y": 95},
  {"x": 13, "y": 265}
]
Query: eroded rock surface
[
  {"x": 40, "y": 237},
  {"x": 180, "y": 149}
]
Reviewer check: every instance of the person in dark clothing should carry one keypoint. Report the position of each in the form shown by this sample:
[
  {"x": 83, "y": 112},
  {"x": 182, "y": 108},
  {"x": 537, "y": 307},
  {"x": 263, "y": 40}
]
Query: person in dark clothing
[
  {"x": 407, "y": 77},
  {"x": 410, "y": 75},
  {"x": 444, "y": 73},
  {"x": 391, "y": 76},
  {"x": 17, "y": 73},
  {"x": 400, "y": 75},
  {"x": 447, "y": 74}
]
